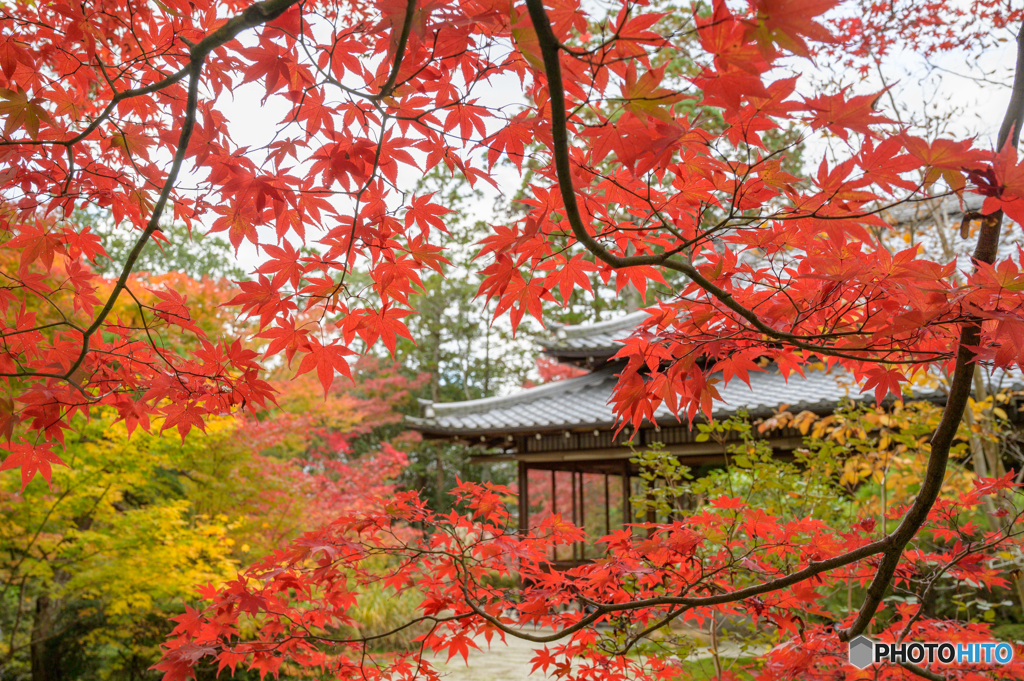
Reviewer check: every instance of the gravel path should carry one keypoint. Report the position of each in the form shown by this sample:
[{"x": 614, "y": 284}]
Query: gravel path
[
  {"x": 511, "y": 661},
  {"x": 501, "y": 662}
]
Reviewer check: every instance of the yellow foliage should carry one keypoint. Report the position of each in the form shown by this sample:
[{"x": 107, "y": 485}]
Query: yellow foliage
[
  {"x": 889, "y": 448},
  {"x": 118, "y": 538}
]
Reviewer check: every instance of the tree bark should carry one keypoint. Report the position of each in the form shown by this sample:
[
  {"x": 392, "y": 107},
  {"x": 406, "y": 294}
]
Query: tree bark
[{"x": 44, "y": 657}]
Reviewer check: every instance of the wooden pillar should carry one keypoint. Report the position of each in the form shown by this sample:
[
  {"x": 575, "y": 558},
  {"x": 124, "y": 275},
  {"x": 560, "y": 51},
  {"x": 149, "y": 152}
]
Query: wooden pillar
[
  {"x": 554, "y": 499},
  {"x": 583, "y": 517},
  {"x": 575, "y": 544},
  {"x": 607, "y": 504},
  {"x": 554, "y": 506},
  {"x": 627, "y": 512},
  {"x": 524, "y": 498}
]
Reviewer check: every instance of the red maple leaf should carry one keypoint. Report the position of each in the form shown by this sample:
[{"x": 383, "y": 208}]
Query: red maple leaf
[
  {"x": 885, "y": 381},
  {"x": 842, "y": 116},
  {"x": 31, "y": 459},
  {"x": 327, "y": 360}
]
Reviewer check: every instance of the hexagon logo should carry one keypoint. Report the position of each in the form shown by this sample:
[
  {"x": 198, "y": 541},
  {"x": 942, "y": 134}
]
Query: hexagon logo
[{"x": 862, "y": 652}]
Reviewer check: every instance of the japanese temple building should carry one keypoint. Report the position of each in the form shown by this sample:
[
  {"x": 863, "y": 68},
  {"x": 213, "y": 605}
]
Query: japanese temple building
[{"x": 562, "y": 434}]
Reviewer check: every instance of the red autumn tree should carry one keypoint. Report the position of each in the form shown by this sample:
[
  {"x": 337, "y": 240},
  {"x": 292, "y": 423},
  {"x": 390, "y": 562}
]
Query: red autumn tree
[{"x": 119, "y": 107}]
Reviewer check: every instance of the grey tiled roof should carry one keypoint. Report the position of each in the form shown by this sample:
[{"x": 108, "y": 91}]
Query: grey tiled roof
[{"x": 583, "y": 402}]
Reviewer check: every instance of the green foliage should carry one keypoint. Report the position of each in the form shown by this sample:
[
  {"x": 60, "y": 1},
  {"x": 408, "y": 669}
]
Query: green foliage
[
  {"x": 703, "y": 669},
  {"x": 1009, "y": 632},
  {"x": 799, "y": 488},
  {"x": 666, "y": 483},
  {"x": 174, "y": 249},
  {"x": 92, "y": 568}
]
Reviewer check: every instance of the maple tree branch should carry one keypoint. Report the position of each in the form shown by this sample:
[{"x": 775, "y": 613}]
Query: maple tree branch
[
  {"x": 1005, "y": 534},
  {"x": 959, "y": 387},
  {"x": 255, "y": 15},
  {"x": 374, "y": 637},
  {"x": 550, "y": 48},
  {"x": 910, "y": 666},
  {"x": 117, "y": 98},
  {"x": 38, "y": 328},
  {"x": 688, "y": 602},
  {"x": 154, "y": 220},
  {"x": 1010, "y": 129},
  {"x": 252, "y": 16},
  {"x": 403, "y": 38},
  {"x": 643, "y": 633},
  {"x": 41, "y": 374},
  {"x": 391, "y": 83}
]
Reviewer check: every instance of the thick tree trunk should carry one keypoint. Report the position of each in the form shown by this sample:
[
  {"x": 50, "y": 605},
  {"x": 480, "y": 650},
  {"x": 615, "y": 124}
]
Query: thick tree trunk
[
  {"x": 435, "y": 367},
  {"x": 45, "y": 661},
  {"x": 439, "y": 478}
]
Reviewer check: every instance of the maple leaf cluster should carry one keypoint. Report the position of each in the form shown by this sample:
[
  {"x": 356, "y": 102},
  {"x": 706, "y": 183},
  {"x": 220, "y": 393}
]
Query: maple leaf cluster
[{"x": 727, "y": 558}]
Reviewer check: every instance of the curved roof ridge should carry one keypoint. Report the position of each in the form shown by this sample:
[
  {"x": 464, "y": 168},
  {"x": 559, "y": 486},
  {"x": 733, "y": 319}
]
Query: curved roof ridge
[
  {"x": 576, "y": 330},
  {"x": 528, "y": 395},
  {"x": 584, "y": 402}
]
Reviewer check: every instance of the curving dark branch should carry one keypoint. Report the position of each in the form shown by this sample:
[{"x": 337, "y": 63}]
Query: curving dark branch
[
  {"x": 959, "y": 388},
  {"x": 687, "y": 602},
  {"x": 403, "y": 39},
  {"x": 550, "y": 48},
  {"x": 253, "y": 16},
  {"x": 892, "y": 545},
  {"x": 195, "y": 69}
]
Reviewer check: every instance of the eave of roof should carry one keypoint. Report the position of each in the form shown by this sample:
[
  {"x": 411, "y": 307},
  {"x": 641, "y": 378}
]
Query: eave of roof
[{"x": 583, "y": 403}]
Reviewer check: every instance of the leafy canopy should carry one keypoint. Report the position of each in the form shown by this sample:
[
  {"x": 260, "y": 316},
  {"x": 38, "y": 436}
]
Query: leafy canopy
[{"x": 108, "y": 109}]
